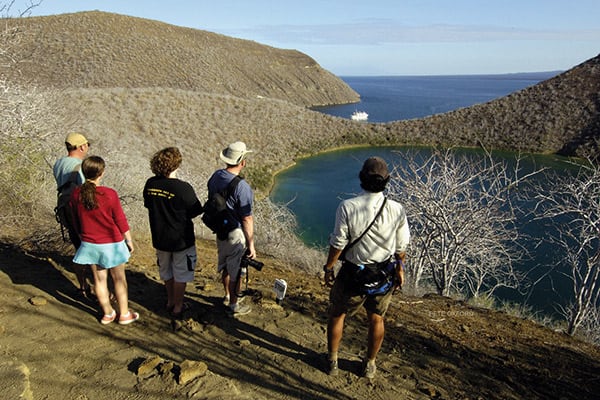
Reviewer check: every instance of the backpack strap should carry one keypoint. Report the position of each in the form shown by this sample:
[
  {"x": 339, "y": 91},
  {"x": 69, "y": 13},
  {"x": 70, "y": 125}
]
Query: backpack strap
[
  {"x": 231, "y": 187},
  {"x": 72, "y": 179}
]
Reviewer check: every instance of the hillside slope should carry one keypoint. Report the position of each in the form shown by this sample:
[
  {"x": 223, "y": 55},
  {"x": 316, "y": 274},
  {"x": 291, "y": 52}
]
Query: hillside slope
[
  {"x": 97, "y": 50},
  {"x": 105, "y": 50},
  {"x": 123, "y": 89},
  {"x": 560, "y": 115}
]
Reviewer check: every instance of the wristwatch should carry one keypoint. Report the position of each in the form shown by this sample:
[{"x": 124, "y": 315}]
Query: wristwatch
[{"x": 326, "y": 270}]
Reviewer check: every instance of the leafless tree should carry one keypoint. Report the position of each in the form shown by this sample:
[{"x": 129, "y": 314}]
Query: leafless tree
[
  {"x": 573, "y": 209},
  {"x": 10, "y": 12},
  {"x": 275, "y": 233},
  {"x": 25, "y": 122},
  {"x": 463, "y": 220}
]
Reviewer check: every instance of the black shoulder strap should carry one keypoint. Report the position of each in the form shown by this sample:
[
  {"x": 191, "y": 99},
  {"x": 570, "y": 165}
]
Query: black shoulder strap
[
  {"x": 232, "y": 185},
  {"x": 368, "y": 227},
  {"x": 72, "y": 179}
]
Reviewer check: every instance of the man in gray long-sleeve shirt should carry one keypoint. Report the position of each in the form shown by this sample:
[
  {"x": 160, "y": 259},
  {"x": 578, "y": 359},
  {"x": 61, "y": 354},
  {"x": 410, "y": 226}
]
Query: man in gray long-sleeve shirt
[{"x": 388, "y": 236}]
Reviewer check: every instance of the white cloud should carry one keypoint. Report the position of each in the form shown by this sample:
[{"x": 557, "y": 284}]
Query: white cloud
[{"x": 380, "y": 31}]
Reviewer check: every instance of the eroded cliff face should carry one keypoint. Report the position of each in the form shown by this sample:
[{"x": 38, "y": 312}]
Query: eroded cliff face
[{"x": 105, "y": 50}]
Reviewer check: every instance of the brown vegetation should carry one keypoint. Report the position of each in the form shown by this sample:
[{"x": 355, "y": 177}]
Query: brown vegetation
[
  {"x": 103, "y": 50},
  {"x": 134, "y": 86}
]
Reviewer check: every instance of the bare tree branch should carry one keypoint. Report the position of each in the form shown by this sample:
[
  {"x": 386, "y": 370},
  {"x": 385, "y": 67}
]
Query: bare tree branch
[
  {"x": 573, "y": 208},
  {"x": 463, "y": 218}
]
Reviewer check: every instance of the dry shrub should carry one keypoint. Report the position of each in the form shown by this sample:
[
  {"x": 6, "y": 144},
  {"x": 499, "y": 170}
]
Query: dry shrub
[
  {"x": 275, "y": 235},
  {"x": 27, "y": 188}
]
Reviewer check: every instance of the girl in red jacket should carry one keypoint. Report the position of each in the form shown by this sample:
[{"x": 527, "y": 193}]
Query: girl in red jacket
[{"x": 105, "y": 239}]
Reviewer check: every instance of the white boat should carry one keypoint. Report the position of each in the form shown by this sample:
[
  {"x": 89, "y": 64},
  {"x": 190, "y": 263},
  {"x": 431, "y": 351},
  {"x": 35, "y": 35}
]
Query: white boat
[{"x": 359, "y": 116}]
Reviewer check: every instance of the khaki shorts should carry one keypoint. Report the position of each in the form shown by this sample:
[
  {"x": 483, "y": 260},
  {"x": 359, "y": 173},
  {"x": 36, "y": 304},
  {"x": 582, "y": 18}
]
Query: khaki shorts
[
  {"x": 344, "y": 301},
  {"x": 230, "y": 253},
  {"x": 177, "y": 265}
]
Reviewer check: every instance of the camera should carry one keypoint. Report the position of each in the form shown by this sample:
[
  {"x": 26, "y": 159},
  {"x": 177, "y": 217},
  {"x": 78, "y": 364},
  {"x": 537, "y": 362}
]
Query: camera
[{"x": 251, "y": 262}]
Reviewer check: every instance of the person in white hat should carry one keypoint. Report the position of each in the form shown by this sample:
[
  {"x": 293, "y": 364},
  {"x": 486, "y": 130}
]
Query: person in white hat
[
  {"x": 240, "y": 241},
  {"x": 68, "y": 175}
]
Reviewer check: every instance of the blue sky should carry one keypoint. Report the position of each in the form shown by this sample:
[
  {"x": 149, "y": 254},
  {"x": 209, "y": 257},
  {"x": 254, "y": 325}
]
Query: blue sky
[{"x": 388, "y": 37}]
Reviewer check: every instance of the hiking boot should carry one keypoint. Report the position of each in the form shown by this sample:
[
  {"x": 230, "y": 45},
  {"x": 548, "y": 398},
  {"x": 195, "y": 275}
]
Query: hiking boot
[
  {"x": 333, "y": 368},
  {"x": 239, "y": 309},
  {"x": 370, "y": 370}
]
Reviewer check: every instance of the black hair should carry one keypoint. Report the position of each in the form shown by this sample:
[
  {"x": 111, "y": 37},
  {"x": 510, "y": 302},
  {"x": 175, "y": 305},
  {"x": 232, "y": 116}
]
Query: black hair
[{"x": 373, "y": 183}]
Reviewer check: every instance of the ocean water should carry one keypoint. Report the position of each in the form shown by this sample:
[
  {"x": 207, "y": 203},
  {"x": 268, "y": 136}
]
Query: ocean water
[
  {"x": 386, "y": 98},
  {"x": 314, "y": 187},
  {"x": 392, "y": 98}
]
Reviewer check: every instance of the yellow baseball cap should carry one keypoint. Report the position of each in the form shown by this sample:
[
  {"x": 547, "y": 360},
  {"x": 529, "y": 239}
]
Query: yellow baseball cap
[{"x": 76, "y": 139}]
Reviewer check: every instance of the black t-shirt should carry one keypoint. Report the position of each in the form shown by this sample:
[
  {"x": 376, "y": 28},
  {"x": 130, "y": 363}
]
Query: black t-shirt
[{"x": 171, "y": 204}]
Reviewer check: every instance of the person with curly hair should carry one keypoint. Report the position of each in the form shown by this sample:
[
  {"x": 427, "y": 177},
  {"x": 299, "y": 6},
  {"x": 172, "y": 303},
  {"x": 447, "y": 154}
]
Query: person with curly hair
[
  {"x": 106, "y": 242},
  {"x": 172, "y": 204}
]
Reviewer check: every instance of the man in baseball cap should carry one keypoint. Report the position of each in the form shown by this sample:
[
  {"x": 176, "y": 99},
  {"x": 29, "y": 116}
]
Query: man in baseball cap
[{"x": 68, "y": 175}]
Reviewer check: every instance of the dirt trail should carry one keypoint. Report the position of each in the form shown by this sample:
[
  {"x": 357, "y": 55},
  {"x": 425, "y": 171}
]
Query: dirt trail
[{"x": 53, "y": 346}]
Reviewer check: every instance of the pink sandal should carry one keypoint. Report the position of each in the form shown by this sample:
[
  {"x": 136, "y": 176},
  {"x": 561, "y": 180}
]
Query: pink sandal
[
  {"x": 128, "y": 318},
  {"x": 108, "y": 318}
]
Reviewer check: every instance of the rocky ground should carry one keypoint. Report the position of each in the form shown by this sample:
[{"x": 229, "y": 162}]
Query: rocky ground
[{"x": 53, "y": 347}]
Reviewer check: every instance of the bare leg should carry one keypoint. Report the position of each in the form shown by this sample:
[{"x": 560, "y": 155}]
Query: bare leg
[
  {"x": 101, "y": 288},
  {"x": 225, "y": 279},
  {"x": 178, "y": 296},
  {"x": 234, "y": 289},
  {"x": 170, "y": 295},
  {"x": 376, "y": 333},
  {"x": 335, "y": 329},
  {"x": 80, "y": 270},
  {"x": 120, "y": 283}
]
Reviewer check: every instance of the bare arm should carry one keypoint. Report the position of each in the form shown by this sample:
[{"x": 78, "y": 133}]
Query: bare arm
[
  {"x": 400, "y": 256},
  {"x": 248, "y": 229},
  {"x": 332, "y": 257},
  {"x": 128, "y": 241}
]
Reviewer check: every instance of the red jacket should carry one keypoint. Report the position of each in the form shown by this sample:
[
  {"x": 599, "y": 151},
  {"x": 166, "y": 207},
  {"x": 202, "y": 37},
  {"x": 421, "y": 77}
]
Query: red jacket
[{"x": 105, "y": 224}]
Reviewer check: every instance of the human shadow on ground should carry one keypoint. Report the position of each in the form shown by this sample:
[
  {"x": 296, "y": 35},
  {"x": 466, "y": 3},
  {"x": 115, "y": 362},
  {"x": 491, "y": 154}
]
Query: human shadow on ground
[
  {"x": 261, "y": 357},
  {"x": 44, "y": 271},
  {"x": 49, "y": 272}
]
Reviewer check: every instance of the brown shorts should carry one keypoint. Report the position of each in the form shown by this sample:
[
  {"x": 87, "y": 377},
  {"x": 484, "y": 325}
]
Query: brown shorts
[{"x": 344, "y": 301}]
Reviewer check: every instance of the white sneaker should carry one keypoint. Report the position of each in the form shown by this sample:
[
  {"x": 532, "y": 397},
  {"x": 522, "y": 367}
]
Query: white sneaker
[
  {"x": 239, "y": 309},
  {"x": 226, "y": 300},
  {"x": 370, "y": 370}
]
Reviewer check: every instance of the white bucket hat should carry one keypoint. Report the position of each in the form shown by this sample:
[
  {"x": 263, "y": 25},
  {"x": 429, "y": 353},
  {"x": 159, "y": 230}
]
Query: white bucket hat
[{"x": 234, "y": 153}]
